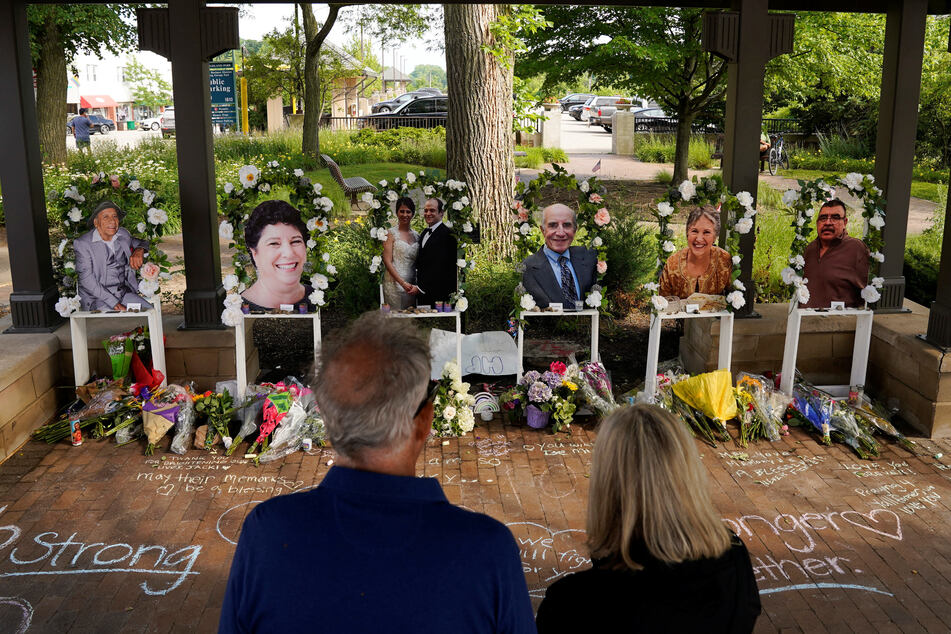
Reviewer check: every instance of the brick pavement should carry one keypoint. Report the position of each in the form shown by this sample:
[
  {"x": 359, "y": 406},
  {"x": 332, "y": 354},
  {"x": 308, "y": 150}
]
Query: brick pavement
[{"x": 101, "y": 538}]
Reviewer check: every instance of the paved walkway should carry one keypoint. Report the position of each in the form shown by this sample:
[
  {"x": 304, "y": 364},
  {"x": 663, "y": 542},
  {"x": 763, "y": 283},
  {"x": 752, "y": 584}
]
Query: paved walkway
[{"x": 100, "y": 538}]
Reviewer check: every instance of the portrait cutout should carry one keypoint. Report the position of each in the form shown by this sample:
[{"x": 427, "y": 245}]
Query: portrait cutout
[{"x": 559, "y": 272}]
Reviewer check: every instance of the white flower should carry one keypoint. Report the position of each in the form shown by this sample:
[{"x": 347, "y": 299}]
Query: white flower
[
  {"x": 798, "y": 261},
  {"x": 272, "y": 164},
  {"x": 392, "y": 196},
  {"x": 660, "y": 302},
  {"x": 462, "y": 304},
  {"x": 428, "y": 190},
  {"x": 743, "y": 225},
  {"x": 319, "y": 188},
  {"x": 319, "y": 281},
  {"x": 225, "y": 230},
  {"x": 157, "y": 216},
  {"x": 312, "y": 224},
  {"x": 466, "y": 420},
  {"x": 810, "y": 212},
  {"x": 147, "y": 196},
  {"x": 652, "y": 287},
  {"x": 67, "y": 305},
  {"x": 464, "y": 200},
  {"x": 381, "y": 234},
  {"x": 249, "y": 176},
  {"x": 229, "y": 282},
  {"x": 789, "y": 275},
  {"x": 73, "y": 193},
  {"x": 745, "y": 199},
  {"x": 311, "y": 243},
  {"x": 331, "y": 269},
  {"x": 449, "y": 413},
  {"x": 325, "y": 257},
  {"x": 584, "y": 186},
  {"x": 525, "y": 229},
  {"x": 467, "y": 227},
  {"x": 687, "y": 189},
  {"x": 800, "y": 221},
  {"x": 457, "y": 206},
  {"x": 298, "y": 172},
  {"x": 878, "y": 282},
  {"x": 736, "y": 300},
  {"x": 74, "y": 214},
  {"x": 447, "y": 223},
  {"x": 231, "y": 317},
  {"x": 461, "y": 263},
  {"x": 232, "y": 300},
  {"x": 316, "y": 298},
  {"x": 597, "y": 242},
  {"x": 366, "y": 197},
  {"x": 664, "y": 209},
  {"x": 870, "y": 294},
  {"x": 736, "y": 260},
  {"x": 69, "y": 265},
  {"x": 148, "y": 288},
  {"x": 410, "y": 178},
  {"x": 134, "y": 185},
  {"x": 376, "y": 204},
  {"x": 852, "y": 180},
  {"x": 737, "y": 284},
  {"x": 383, "y": 183},
  {"x": 141, "y": 227},
  {"x": 59, "y": 249},
  {"x": 373, "y": 231},
  {"x": 878, "y": 256},
  {"x": 376, "y": 260},
  {"x": 876, "y": 221},
  {"x": 527, "y": 302},
  {"x": 802, "y": 293},
  {"x": 791, "y": 197},
  {"x": 875, "y": 190},
  {"x": 264, "y": 187},
  {"x": 593, "y": 299},
  {"x": 668, "y": 246},
  {"x": 229, "y": 187}
]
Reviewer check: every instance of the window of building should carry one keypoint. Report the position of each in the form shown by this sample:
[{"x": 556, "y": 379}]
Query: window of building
[{"x": 91, "y": 72}]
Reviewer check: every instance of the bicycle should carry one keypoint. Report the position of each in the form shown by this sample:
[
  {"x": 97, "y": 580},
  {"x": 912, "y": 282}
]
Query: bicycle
[{"x": 777, "y": 153}]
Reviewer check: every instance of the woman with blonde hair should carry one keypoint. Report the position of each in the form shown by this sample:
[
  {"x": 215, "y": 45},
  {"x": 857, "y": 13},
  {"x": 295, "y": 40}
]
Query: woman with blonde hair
[{"x": 662, "y": 558}]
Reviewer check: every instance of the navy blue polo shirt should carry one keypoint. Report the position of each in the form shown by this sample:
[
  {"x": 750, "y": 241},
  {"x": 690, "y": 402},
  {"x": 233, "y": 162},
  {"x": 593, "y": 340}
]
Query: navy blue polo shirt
[
  {"x": 81, "y": 127},
  {"x": 368, "y": 552}
]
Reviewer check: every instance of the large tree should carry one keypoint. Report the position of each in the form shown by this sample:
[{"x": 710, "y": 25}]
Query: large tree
[
  {"x": 57, "y": 33},
  {"x": 148, "y": 87},
  {"x": 652, "y": 52},
  {"x": 428, "y": 75}
]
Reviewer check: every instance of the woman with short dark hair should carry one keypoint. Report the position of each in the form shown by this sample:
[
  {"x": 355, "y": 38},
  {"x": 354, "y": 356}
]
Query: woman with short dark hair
[
  {"x": 276, "y": 238},
  {"x": 663, "y": 561}
]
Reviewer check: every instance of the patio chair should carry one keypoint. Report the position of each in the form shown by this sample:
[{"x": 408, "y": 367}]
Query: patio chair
[{"x": 352, "y": 187}]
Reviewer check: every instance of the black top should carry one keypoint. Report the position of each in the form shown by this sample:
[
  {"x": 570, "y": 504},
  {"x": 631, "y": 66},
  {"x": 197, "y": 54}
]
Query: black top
[
  {"x": 436, "y": 266},
  {"x": 709, "y": 595},
  {"x": 308, "y": 289}
]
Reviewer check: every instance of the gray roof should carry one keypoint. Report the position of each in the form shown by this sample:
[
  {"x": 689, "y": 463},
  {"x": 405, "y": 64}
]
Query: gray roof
[
  {"x": 390, "y": 74},
  {"x": 349, "y": 60}
]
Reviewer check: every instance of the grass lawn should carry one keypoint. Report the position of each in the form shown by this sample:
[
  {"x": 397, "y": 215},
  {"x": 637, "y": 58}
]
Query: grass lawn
[
  {"x": 935, "y": 192},
  {"x": 373, "y": 172}
]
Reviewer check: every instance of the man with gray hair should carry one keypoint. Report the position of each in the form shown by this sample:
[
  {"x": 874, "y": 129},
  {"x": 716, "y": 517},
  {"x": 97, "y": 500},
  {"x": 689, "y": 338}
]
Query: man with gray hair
[
  {"x": 559, "y": 272},
  {"x": 374, "y": 547}
]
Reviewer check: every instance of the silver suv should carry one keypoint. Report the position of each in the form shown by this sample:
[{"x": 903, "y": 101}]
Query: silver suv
[{"x": 167, "y": 122}]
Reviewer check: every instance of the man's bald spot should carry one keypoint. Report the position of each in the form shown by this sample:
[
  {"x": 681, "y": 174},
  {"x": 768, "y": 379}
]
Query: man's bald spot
[
  {"x": 559, "y": 207},
  {"x": 356, "y": 372}
]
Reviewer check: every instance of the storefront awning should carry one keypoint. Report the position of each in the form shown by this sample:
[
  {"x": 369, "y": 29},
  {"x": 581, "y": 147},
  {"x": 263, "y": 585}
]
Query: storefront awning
[{"x": 97, "y": 101}]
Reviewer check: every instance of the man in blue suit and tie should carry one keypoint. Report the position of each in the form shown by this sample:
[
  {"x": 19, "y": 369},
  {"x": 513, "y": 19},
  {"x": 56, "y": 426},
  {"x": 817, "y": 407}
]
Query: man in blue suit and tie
[
  {"x": 559, "y": 272},
  {"x": 107, "y": 258}
]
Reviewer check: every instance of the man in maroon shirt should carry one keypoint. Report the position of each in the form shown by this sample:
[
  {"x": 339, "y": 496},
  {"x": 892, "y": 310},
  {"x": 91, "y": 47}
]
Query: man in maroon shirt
[{"x": 836, "y": 263}]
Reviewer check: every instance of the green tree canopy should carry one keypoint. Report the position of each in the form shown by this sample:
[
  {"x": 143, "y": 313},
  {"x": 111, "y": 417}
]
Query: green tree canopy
[
  {"x": 428, "y": 75},
  {"x": 149, "y": 88}
]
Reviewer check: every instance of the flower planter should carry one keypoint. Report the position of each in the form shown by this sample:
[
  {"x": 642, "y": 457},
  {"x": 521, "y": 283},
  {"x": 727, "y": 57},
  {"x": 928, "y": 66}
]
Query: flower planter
[{"x": 536, "y": 418}]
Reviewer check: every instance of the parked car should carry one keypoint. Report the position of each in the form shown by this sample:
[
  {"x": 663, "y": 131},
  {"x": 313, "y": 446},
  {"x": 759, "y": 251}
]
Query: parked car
[
  {"x": 393, "y": 104},
  {"x": 575, "y": 111},
  {"x": 573, "y": 99},
  {"x": 423, "y": 112},
  {"x": 167, "y": 122},
  {"x": 653, "y": 120},
  {"x": 98, "y": 124},
  {"x": 152, "y": 123},
  {"x": 597, "y": 102},
  {"x": 604, "y": 116}
]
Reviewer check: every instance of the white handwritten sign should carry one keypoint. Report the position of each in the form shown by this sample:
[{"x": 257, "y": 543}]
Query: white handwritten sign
[{"x": 491, "y": 353}]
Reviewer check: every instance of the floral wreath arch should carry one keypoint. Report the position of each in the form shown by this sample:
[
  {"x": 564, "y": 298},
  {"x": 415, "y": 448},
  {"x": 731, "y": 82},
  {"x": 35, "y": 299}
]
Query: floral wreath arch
[
  {"x": 458, "y": 218},
  {"x": 235, "y": 203},
  {"x": 738, "y": 220},
  {"x": 593, "y": 217},
  {"x": 803, "y": 204},
  {"x": 145, "y": 219}
]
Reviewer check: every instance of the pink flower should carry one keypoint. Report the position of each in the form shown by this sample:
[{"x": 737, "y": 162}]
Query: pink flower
[
  {"x": 602, "y": 267},
  {"x": 114, "y": 181},
  {"x": 558, "y": 367},
  {"x": 602, "y": 217},
  {"x": 150, "y": 271},
  {"x": 595, "y": 198},
  {"x": 517, "y": 204},
  {"x": 523, "y": 215}
]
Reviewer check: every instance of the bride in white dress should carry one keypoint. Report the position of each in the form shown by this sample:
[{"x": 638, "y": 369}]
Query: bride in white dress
[{"x": 399, "y": 258}]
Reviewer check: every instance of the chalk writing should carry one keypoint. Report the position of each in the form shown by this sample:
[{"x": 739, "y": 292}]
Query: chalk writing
[
  {"x": 547, "y": 555},
  {"x": 768, "y": 467},
  {"x": 229, "y": 483},
  {"x": 96, "y": 558},
  {"x": 559, "y": 448},
  {"x": 875, "y": 470},
  {"x": 903, "y": 494},
  {"x": 497, "y": 446},
  {"x": 25, "y": 614},
  {"x": 206, "y": 461},
  {"x": 883, "y": 522}
]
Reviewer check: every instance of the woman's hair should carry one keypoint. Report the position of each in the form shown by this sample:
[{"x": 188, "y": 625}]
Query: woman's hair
[
  {"x": 271, "y": 212},
  {"x": 405, "y": 201},
  {"x": 649, "y": 487},
  {"x": 707, "y": 211}
]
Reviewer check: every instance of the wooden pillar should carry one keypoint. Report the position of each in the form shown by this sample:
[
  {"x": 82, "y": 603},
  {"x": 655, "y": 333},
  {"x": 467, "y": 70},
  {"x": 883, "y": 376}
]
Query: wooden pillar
[
  {"x": 31, "y": 265},
  {"x": 189, "y": 34},
  {"x": 897, "y": 127},
  {"x": 939, "y": 320},
  {"x": 747, "y": 37}
]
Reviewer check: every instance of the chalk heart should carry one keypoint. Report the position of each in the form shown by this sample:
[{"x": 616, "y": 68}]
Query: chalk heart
[
  {"x": 889, "y": 526},
  {"x": 548, "y": 555},
  {"x": 165, "y": 489},
  {"x": 293, "y": 486},
  {"x": 226, "y": 467}
]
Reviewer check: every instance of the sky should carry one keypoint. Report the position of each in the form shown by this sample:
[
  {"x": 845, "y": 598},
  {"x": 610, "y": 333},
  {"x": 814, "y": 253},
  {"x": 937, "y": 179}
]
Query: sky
[{"x": 257, "y": 19}]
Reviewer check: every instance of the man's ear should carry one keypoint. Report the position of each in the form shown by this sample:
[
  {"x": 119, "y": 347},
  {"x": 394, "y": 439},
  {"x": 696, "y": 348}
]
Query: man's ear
[{"x": 423, "y": 423}]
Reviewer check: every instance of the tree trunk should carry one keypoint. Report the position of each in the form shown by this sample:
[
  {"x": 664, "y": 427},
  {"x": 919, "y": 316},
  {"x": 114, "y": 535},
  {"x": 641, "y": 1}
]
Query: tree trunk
[
  {"x": 479, "y": 136},
  {"x": 682, "y": 147},
  {"x": 51, "y": 94},
  {"x": 312, "y": 104}
]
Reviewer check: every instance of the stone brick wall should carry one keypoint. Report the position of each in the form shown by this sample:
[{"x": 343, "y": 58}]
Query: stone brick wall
[{"x": 29, "y": 375}]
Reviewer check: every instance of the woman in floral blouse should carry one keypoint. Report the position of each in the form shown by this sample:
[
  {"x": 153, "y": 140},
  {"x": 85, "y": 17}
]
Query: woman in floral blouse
[{"x": 701, "y": 267}]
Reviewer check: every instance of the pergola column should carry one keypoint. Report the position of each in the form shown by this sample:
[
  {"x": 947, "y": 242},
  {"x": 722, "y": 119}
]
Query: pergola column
[
  {"x": 939, "y": 319},
  {"x": 31, "y": 265},
  {"x": 897, "y": 127}
]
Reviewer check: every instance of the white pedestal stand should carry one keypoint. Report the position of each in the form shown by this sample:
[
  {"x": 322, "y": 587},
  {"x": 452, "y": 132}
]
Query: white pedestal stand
[
  {"x": 240, "y": 343},
  {"x": 454, "y": 313},
  {"x": 863, "y": 337},
  {"x": 588, "y": 312},
  {"x": 653, "y": 346},
  {"x": 77, "y": 332}
]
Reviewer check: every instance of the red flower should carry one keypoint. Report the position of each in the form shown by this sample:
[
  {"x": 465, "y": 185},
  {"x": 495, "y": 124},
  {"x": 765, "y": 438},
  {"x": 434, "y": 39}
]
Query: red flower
[
  {"x": 207, "y": 394},
  {"x": 558, "y": 367}
]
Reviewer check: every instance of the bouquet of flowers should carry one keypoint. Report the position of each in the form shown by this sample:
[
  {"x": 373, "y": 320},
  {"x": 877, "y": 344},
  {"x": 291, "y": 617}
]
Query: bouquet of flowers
[
  {"x": 710, "y": 394},
  {"x": 119, "y": 348},
  {"x": 218, "y": 409},
  {"x": 452, "y": 406},
  {"x": 109, "y": 407},
  {"x": 163, "y": 410},
  {"x": 540, "y": 395},
  {"x": 761, "y": 408},
  {"x": 667, "y": 398},
  {"x": 284, "y": 400},
  {"x": 596, "y": 387},
  {"x": 834, "y": 420},
  {"x": 873, "y": 417}
]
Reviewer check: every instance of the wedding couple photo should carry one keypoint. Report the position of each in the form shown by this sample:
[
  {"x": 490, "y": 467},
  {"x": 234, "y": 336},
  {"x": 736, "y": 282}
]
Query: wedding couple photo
[{"x": 420, "y": 267}]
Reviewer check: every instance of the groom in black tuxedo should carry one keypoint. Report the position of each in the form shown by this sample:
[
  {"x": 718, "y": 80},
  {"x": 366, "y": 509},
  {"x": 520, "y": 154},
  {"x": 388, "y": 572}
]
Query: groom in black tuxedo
[{"x": 436, "y": 262}]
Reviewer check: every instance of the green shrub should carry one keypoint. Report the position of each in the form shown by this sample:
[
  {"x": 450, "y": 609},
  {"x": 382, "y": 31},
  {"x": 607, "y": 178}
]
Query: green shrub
[
  {"x": 490, "y": 287},
  {"x": 538, "y": 156},
  {"x": 660, "y": 148},
  {"x": 631, "y": 254},
  {"x": 922, "y": 260},
  {"x": 355, "y": 290},
  {"x": 843, "y": 147}
]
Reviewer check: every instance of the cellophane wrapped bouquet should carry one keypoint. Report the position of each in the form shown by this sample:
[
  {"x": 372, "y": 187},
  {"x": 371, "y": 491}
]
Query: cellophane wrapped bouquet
[
  {"x": 762, "y": 408},
  {"x": 452, "y": 405}
]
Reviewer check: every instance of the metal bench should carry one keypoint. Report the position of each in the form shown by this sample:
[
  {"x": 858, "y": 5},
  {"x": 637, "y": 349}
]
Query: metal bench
[{"x": 352, "y": 187}]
